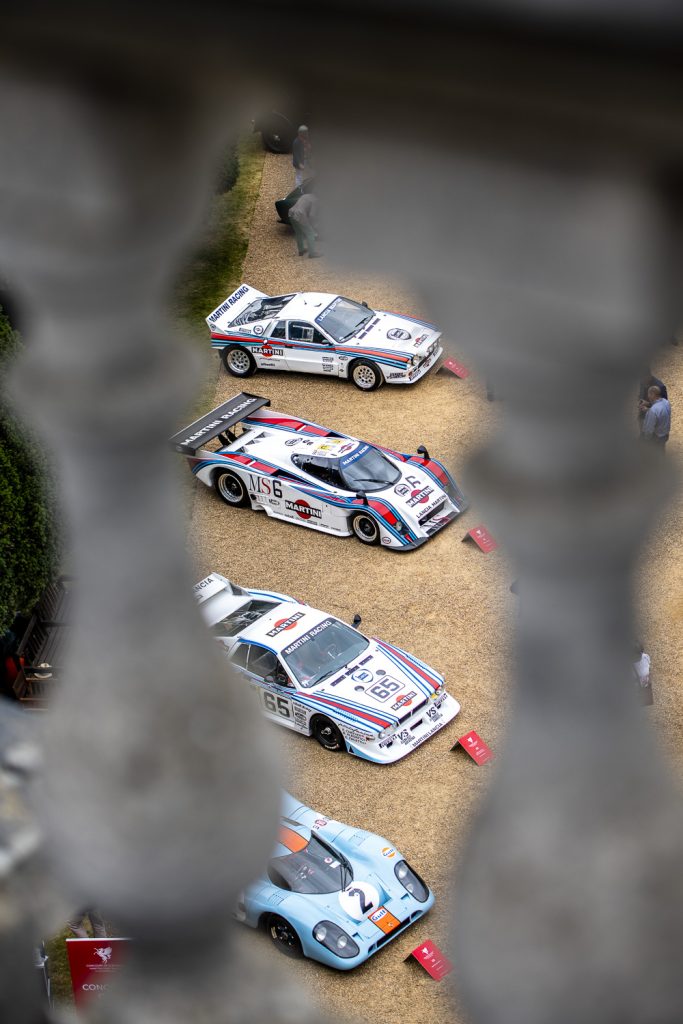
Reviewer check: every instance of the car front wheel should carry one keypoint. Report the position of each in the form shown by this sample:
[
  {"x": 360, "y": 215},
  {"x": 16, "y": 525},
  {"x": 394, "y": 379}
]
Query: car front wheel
[
  {"x": 365, "y": 375},
  {"x": 232, "y": 490},
  {"x": 284, "y": 936},
  {"x": 365, "y": 528},
  {"x": 327, "y": 734},
  {"x": 238, "y": 361}
]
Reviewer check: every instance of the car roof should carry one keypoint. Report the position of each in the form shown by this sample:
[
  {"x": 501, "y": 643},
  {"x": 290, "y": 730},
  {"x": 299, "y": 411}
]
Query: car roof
[
  {"x": 282, "y": 444},
  {"x": 288, "y": 622},
  {"x": 305, "y": 306}
]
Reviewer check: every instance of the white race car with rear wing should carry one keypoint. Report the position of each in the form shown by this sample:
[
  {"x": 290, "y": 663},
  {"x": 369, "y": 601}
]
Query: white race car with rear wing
[
  {"x": 303, "y": 473},
  {"x": 316, "y": 675},
  {"x": 317, "y": 332}
]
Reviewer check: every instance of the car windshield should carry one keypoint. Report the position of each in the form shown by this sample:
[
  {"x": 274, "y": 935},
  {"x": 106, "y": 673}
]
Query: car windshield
[
  {"x": 317, "y": 868},
  {"x": 343, "y": 317},
  {"x": 366, "y": 469},
  {"x": 322, "y": 651}
]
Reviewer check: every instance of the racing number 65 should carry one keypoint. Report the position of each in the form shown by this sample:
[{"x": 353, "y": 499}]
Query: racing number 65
[{"x": 276, "y": 705}]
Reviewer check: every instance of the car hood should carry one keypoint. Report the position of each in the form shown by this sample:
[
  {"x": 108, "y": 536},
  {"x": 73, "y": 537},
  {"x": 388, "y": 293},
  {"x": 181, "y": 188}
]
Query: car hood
[
  {"x": 396, "y": 333},
  {"x": 416, "y": 494},
  {"x": 382, "y": 688}
]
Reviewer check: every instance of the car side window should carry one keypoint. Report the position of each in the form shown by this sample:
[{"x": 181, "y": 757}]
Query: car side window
[
  {"x": 300, "y": 331},
  {"x": 280, "y": 330},
  {"x": 322, "y": 470},
  {"x": 239, "y": 655},
  {"x": 261, "y": 662}
]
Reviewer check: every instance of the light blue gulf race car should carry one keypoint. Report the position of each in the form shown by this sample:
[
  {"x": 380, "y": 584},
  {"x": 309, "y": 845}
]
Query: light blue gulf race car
[{"x": 331, "y": 892}]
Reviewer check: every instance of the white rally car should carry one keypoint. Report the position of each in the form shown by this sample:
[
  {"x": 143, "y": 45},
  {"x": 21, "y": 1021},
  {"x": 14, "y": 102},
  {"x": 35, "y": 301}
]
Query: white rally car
[
  {"x": 303, "y": 473},
  {"x": 316, "y": 332},
  {"x": 316, "y": 675}
]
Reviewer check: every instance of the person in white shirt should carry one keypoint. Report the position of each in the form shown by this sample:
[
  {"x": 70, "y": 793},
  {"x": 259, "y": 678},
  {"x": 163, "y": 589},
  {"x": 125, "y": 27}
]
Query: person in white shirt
[{"x": 641, "y": 666}]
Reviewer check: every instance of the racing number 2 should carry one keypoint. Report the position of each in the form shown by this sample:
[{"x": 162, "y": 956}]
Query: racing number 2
[{"x": 276, "y": 705}]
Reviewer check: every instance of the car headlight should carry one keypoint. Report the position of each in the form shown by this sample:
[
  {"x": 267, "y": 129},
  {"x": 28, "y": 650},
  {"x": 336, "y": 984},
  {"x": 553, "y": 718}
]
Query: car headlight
[
  {"x": 334, "y": 938},
  {"x": 415, "y": 360},
  {"x": 383, "y": 734},
  {"x": 411, "y": 881},
  {"x": 438, "y": 691}
]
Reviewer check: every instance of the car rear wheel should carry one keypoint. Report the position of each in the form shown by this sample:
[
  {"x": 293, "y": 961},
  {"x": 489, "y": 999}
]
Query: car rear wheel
[
  {"x": 327, "y": 734},
  {"x": 238, "y": 361},
  {"x": 284, "y": 936},
  {"x": 232, "y": 490},
  {"x": 365, "y": 375},
  {"x": 365, "y": 528}
]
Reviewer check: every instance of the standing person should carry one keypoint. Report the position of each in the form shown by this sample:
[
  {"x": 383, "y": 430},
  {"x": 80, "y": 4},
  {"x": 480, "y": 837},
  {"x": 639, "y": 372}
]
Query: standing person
[
  {"x": 303, "y": 217},
  {"x": 76, "y": 924},
  {"x": 301, "y": 155},
  {"x": 657, "y": 422},
  {"x": 641, "y": 669},
  {"x": 648, "y": 381}
]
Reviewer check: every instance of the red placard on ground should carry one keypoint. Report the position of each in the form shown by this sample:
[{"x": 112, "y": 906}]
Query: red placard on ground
[
  {"x": 482, "y": 538},
  {"x": 432, "y": 959},
  {"x": 475, "y": 747},
  {"x": 453, "y": 366},
  {"x": 92, "y": 963}
]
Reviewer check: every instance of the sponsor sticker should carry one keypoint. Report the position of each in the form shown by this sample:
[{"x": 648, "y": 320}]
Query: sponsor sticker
[
  {"x": 258, "y": 329},
  {"x": 388, "y": 851},
  {"x": 303, "y": 509},
  {"x": 385, "y": 920},
  {"x": 404, "y": 701},
  {"x": 401, "y": 489},
  {"x": 398, "y": 334},
  {"x": 420, "y": 496},
  {"x": 362, "y": 676},
  {"x": 230, "y": 301},
  {"x": 315, "y": 631},
  {"x": 320, "y": 823},
  {"x": 358, "y": 454},
  {"x": 284, "y": 624}
]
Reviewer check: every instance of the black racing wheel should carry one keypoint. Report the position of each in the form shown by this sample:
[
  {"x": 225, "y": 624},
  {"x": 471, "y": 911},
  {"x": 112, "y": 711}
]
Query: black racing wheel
[
  {"x": 284, "y": 936},
  {"x": 365, "y": 528},
  {"x": 231, "y": 489},
  {"x": 327, "y": 734}
]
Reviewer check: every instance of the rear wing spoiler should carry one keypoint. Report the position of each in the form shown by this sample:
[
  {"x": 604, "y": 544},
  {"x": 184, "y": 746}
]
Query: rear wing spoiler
[{"x": 188, "y": 440}]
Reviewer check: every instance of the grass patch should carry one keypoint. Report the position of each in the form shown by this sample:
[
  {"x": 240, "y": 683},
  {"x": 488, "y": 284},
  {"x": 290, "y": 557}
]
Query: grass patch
[{"x": 214, "y": 269}]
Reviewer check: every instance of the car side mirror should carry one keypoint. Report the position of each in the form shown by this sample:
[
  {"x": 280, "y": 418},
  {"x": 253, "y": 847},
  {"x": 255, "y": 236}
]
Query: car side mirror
[
  {"x": 363, "y": 496},
  {"x": 356, "y": 621},
  {"x": 423, "y": 452},
  {"x": 365, "y": 304}
]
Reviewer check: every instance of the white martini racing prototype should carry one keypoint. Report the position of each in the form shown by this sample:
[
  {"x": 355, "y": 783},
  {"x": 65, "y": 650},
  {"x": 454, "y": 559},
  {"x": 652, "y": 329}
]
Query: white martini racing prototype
[
  {"x": 316, "y": 675},
  {"x": 317, "y": 332},
  {"x": 303, "y": 473}
]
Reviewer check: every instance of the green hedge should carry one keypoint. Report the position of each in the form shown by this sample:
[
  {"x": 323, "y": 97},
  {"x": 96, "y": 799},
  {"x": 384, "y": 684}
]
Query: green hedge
[{"x": 28, "y": 536}]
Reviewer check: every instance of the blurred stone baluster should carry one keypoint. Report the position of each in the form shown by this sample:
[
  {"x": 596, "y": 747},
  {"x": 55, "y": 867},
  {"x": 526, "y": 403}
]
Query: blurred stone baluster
[
  {"x": 545, "y": 236},
  {"x": 161, "y": 788}
]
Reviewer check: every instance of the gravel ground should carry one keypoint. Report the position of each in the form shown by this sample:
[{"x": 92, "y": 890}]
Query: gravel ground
[{"x": 447, "y": 602}]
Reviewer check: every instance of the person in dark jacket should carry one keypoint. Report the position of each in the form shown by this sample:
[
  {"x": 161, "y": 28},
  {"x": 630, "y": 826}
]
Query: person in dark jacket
[{"x": 301, "y": 155}]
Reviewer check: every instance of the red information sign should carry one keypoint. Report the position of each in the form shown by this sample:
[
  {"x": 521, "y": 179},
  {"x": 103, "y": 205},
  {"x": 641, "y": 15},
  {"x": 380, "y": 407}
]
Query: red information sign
[
  {"x": 475, "y": 747},
  {"x": 92, "y": 963},
  {"x": 482, "y": 538},
  {"x": 455, "y": 367},
  {"x": 432, "y": 959}
]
